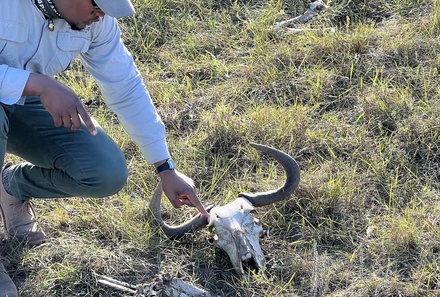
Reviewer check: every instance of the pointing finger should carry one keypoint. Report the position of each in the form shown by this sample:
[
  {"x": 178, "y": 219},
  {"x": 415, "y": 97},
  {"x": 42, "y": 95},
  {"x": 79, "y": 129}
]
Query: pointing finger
[{"x": 192, "y": 200}]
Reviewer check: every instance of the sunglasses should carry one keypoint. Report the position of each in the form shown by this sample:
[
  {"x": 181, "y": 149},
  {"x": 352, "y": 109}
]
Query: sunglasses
[{"x": 94, "y": 4}]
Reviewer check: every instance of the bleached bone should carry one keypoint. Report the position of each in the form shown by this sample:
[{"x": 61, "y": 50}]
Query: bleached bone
[
  {"x": 115, "y": 284},
  {"x": 237, "y": 231},
  {"x": 177, "y": 287},
  {"x": 312, "y": 9},
  {"x": 164, "y": 286}
]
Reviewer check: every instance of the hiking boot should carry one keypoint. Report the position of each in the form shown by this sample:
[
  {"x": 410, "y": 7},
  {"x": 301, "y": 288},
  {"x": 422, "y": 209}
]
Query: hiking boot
[
  {"x": 7, "y": 286},
  {"x": 19, "y": 218}
]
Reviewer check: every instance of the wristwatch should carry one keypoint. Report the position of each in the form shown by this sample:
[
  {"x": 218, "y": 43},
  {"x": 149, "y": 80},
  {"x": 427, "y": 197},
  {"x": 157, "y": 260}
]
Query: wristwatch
[{"x": 168, "y": 165}]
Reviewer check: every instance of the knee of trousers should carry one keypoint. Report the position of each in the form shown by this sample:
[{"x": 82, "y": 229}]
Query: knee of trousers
[{"x": 104, "y": 181}]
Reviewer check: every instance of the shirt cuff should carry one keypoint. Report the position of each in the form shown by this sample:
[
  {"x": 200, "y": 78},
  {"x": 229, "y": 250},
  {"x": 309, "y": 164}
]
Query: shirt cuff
[
  {"x": 12, "y": 85},
  {"x": 155, "y": 152}
]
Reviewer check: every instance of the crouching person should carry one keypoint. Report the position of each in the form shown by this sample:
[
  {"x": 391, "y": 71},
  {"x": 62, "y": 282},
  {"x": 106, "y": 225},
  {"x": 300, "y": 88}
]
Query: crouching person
[{"x": 45, "y": 123}]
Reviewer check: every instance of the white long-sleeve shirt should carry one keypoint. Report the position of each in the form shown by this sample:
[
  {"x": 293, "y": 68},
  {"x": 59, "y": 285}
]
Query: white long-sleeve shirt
[{"x": 28, "y": 46}]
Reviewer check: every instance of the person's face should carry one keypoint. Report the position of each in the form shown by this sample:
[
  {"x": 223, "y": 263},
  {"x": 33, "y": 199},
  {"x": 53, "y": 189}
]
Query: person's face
[{"x": 79, "y": 13}]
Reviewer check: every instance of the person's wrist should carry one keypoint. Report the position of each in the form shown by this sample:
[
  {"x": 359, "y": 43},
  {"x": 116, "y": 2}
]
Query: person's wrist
[
  {"x": 166, "y": 174},
  {"x": 34, "y": 85}
]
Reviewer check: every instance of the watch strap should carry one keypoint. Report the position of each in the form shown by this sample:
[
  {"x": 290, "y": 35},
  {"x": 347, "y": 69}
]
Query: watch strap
[{"x": 168, "y": 165}]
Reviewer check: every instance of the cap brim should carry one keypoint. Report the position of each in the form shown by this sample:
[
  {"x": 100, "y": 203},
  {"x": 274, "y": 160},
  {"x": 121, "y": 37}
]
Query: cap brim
[{"x": 116, "y": 8}]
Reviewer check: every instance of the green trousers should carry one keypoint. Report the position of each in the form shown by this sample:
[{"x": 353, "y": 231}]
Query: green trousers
[{"x": 59, "y": 162}]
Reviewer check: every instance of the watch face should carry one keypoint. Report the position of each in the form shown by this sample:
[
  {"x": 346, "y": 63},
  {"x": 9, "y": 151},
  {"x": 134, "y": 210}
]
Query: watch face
[
  {"x": 168, "y": 165},
  {"x": 171, "y": 164}
]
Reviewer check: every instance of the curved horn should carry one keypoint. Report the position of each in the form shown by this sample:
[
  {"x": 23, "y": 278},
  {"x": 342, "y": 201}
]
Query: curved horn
[
  {"x": 292, "y": 178},
  {"x": 194, "y": 224}
]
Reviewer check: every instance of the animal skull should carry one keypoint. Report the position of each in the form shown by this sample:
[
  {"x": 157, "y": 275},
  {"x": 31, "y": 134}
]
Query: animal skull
[{"x": 237, "y": 231}]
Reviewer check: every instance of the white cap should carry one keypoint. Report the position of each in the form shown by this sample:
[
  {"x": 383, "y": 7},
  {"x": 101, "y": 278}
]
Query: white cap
[{"x": 116, "y": 8}]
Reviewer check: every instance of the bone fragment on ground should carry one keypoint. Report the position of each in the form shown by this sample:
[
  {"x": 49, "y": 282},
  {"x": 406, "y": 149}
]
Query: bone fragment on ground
[
  {"x": 177, "y": 287},
  {"x": 158, "y": 287},
  {"x": 313, "y": 9},
  {"x": 115, "y": 284}
]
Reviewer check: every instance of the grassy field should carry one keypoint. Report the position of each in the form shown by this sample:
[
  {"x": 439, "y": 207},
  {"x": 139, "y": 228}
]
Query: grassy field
[{"x": 355, "y": 99}]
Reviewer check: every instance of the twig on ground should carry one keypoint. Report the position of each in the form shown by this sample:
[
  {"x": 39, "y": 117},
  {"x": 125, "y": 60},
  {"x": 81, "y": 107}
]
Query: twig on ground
[{"x": 312, "y": 10}]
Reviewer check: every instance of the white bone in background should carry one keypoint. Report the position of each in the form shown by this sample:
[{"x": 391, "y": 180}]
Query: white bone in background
[{"x": 313, "y": 9}]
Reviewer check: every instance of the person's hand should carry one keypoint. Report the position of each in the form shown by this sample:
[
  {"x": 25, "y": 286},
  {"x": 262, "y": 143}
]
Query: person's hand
[
  {"x": 180, "y": 190},
  {"x": 65, "y": 107}
]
